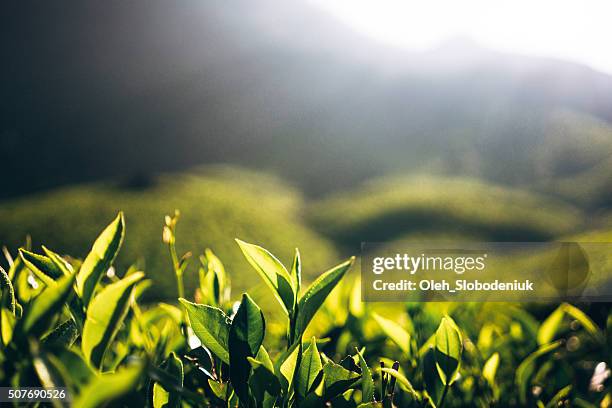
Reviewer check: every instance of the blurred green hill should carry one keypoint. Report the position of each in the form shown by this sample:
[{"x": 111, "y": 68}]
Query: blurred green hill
[
  {"x": 388, "y": 209},
  {"x": 217, "y": 205}
]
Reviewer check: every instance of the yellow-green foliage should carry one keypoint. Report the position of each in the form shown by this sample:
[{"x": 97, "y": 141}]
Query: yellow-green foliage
[
  {"x": 392, "y": 208},
  {"x": 218, "y": 204}
]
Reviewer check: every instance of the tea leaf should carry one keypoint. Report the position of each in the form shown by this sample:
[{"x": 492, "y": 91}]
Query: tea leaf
[
  {"x": 263, "y": 383},
  {"x": 58, "y": 261},
  {"x": 106, "y": 388},
  {"x": 549, "y": 327},
  {"x": 296, "y": 271},
  {"x": 272, "y": 272},
  {"x": 402, "y": 380},
  {"x": 337, "y": 379},
  {"x": 367, "y": 383},
  {"x": 212, "y": 327},
  {"x": 526, "y": 368},
  {"x": 395, "y": 332},
  {"x": 490, "y": 369},
  {"x": 7, "y": 325},
  {"x": 163, "y": 398},
  {"x": 310, "y": 365},
  {"x": 245, "y": 337},
  {"x": 288, "y": 364},
  {"x": 104, "y": 317},
  {"x": 449, "y": 347},
  {"x": 586, "y": 322},
  {"x": 7, "y": 291},
  {"x": 38, "y": 317},
  {"x": 317, "y": 293},
  {"x": 433, "y": 384},
  {"x": 63, "y": 335},
  {"x": 100, "y": 258},
  {"x": 41, "y": 266}
]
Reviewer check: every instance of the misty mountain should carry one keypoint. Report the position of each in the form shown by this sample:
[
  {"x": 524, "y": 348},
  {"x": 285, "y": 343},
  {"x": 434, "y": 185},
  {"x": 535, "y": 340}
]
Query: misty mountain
[{"x": 121, "y": 90}]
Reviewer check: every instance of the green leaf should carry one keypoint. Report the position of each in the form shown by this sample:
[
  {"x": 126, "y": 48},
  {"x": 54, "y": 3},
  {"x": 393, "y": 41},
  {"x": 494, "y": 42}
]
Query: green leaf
[
  {"x": 212, "y": 327},
  {"x": 490, "y": 369},
  {"x": 7, "y": 291},
  {"x": 561, "y": 398},
  {"x": 586, "y": 322},
  {"x": 163, "y": 398},
  {"x": 104, "y": 317},
  {"x": 106, "y": 388},
  {"x": 245, "y": 337},
  {"x": 218, "y": 388},
  {"x": 63, "y": 335},
  {"x": 288, "y": 364},
  {"x": 395, "y": 332},
  {"x": 310, "y": 365},
  {"x": 367, "y": 383},
  {"x": 39, "y": 316},
  {"x": 402, "y": 380},
  {"x": 41, "y": 266},
  {"x": 337, "y": 379},
  {"x": 100, "y": 258},
  {"x": 433, "y": 384},
  {"x": 63, "y": 265},
  {"x": 549, "y": 327},
  {"x": 296, "y": 271},
  {"x": 449, "y": 347},
  {"x": 263, "y": 383},
  {"x": 7, "y": 325},
  {"x": 526, "y": 368},
  {"x": 214, "y": 283},
  {"x": 273, "y": 272},
  {"x": 317, "y": 293}
]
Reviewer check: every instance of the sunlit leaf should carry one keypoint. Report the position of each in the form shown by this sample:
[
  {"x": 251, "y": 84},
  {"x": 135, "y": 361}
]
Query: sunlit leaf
[
  {"x": 272, "y": 272},
  {"x": 212, "y": 327},
  {"x": 296, "y": 271},
  {"x": 43, "y": 267},
  {"x": 7, "y": 291},
  {"x": 316, "y": 294},
  {"x": 395, "y": 332},
  {"x": 105, "y": 316},
  {"x": 337, "y": 379},
  {"x": 106, "y": 388},
  {"x": 549, "y": 327},
  {"x": 100, "y": 258},
  {"x": 490, "y": 369},
  {"x": 245, "y": 337},
  {"x": 449, "y": 347},
  {"x": 310, "y": 366},
  {"x": 367, "y": 383},
  {"x": 401, "y": 379},
  {"x": 41, "y": 313}
]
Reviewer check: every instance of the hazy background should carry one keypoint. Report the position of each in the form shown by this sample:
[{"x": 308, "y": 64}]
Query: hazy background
[{"x": 316, "y": 124}]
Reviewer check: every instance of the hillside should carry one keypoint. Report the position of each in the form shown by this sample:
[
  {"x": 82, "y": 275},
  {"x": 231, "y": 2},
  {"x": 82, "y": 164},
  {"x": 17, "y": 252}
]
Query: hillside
[
  {"x": 422, "y": 207},
  {"x": 217, "y": 205}
]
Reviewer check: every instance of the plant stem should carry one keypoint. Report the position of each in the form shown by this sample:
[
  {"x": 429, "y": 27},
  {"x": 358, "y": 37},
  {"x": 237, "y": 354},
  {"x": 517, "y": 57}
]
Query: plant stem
[{"x": 441, "y": 403}]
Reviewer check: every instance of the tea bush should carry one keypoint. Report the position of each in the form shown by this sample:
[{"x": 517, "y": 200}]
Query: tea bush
[
  {"x": 76, "y": 324},
  {"x": 388, "y": 208}
]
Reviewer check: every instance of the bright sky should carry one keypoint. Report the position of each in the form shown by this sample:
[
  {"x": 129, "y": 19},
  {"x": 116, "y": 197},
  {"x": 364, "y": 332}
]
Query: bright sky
[{"x": 578, "y": 30}]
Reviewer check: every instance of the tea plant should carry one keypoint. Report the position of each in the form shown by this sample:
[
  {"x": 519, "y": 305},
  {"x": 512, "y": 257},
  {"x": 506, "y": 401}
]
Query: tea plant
[{"x": 67, "y": 323}]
